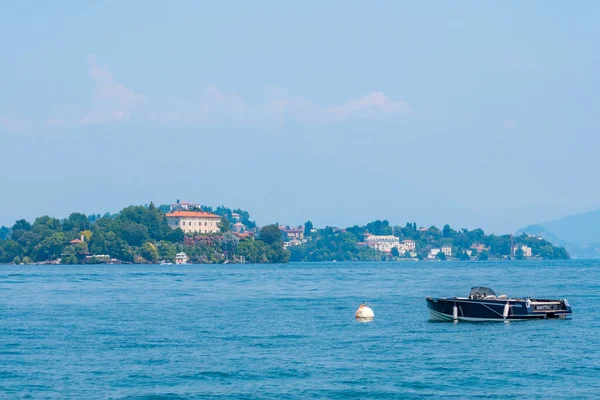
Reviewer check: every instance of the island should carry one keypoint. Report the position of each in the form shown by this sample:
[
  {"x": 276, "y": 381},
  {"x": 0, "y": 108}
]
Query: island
[{"x": 207, "y": 235}]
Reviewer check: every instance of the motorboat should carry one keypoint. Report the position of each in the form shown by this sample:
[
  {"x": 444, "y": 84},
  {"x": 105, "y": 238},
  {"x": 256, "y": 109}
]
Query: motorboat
[{"x": 484, "y": 305}]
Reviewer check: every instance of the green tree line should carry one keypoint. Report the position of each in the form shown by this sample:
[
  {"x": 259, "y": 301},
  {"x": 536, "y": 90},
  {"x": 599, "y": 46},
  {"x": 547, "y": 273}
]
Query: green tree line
[
  {"x": 343, "y": 244},
  {"x": 136, "y": 234}
]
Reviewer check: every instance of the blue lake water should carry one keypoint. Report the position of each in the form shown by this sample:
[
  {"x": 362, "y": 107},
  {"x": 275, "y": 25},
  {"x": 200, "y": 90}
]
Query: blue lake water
[{"x": 288, "y": 331}]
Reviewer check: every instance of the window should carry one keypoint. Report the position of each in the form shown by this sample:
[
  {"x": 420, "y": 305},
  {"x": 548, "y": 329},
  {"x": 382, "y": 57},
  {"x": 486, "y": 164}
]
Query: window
[{"x": 204, "y": 223}]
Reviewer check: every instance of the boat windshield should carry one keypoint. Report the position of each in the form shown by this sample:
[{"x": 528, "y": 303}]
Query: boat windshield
[{"x": 479, "y": 292}]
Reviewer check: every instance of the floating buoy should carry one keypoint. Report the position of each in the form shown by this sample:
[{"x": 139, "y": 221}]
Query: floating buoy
[
  {"x": 455, "y": 312},
  {"x": 364, "y": 312},
  {"x": 506, "y": 310}
]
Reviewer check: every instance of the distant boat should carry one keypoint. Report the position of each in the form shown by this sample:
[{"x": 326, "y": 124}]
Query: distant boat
[
  {"x": 483, "y": 305},
  {"x": 164, "y": 262},
  {"x": 181, "y": 258}
]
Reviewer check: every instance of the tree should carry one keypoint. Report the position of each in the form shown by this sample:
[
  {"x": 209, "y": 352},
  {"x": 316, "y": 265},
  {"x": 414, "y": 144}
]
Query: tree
[
  {"x": 51, "y": 247},
  {"x": 434, "y": 232},
  {"x": 133, "y": 233},
  {"x": 87, "y": 234},
  {"x": 69, "y": 256},
  {"x": 379, "y": 227},
  {"x": 9, "y": 249},
  {"x": 19, "y": 229},
  {"x": 225, "y": 225},
  {"x": 149, "y": 252},
  {"x": 4, "y": 233},
  {"x": 250, "y": 249},
  {"x": 176, "y": 235},
  {"x": 308, "y": 227},
  {"x": 270, "y": 234},
  {"x": 277, "y": 254},
  {"x": 229, "y": 242},
  {"x": 441, "y": 256},
  {"x": 447, "y": 231},
  {"x": 167, "y": 251},
  {"x": 519, "y": 254},
  {"x": 395, "y": 252},
  {"x": 76, "y": 222},
  {"x": 483, "y": 256},
  {"x": 47, "y": 223}
]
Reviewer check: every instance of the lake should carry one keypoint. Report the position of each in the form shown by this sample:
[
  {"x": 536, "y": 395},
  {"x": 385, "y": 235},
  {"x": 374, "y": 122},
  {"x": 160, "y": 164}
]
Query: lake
[{"x": 288, "y": 331}]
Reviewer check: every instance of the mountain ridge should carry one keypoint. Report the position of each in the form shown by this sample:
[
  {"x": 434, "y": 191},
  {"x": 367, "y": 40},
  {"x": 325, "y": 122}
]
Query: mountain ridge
[{"x": 578, "y": 233}]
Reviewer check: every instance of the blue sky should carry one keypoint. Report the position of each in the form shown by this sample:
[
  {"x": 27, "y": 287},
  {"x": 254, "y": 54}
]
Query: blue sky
[{"x": 471, "y": 113}]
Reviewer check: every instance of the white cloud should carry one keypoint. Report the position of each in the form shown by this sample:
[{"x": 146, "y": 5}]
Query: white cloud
[
  {"x": 369, "y": 104},
  {"x": 107, "y": 90},
  {"x": 113, "y": 102}
]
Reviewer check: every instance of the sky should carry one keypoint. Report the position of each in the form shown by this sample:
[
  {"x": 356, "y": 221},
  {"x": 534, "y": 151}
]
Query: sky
[{"x": 476, "y": 114}]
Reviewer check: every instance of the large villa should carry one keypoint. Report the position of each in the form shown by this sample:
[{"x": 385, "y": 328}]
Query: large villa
[{"x": 194, "y": 221}]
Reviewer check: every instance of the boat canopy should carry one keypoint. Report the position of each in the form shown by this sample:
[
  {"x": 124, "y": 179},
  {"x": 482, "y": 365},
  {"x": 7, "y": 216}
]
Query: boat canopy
[{"x": 481, "y": 292}]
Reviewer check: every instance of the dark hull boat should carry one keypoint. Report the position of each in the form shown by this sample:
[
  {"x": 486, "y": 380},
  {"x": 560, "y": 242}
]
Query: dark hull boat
[{"x": 483, "y": 305}]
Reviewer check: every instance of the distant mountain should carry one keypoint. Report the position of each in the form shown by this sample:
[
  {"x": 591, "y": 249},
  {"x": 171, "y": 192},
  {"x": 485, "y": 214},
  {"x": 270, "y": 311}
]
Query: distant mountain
[
  {"x": 578, "y": 228},
  {"x": 579, "y": 233}
]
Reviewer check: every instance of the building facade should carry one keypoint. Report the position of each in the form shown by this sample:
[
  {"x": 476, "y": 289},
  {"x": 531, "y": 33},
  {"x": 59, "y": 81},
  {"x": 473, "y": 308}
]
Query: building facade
[
  {"x": 383, "y": 243},
  {"x": 409, "y": 245},
  {"x": 194, "y": 221},
  {"x": 184, "y": 206},
  {"x": 447, "y": 250},
  {"x": 527, "y": 252}
]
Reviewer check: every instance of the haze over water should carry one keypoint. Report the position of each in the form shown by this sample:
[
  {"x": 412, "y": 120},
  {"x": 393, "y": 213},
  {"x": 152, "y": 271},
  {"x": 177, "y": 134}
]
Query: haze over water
[{"x": 287, "y": 331}]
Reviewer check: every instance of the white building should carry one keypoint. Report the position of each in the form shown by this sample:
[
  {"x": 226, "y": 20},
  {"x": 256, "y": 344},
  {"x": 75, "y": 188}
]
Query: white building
[
  {"x": 238, "y": 227},
  {"x": 526, "y": 250},
  {"x": 184, "y": 205},
  {"x": 433, "y": 253},
  {"x": 382, "y": 243},
  {"x": 447, "y": 250},
  {"x": 410, "y": 245}
]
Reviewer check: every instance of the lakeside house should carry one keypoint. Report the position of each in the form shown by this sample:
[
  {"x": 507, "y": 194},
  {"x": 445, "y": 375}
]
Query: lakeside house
[
  {"x": 433, "y": 253},
  {"x": 447, "y": 250},
  {"x": 383, "y": 243},
  {"x": 293, "y": 236},
  {"x": 238, "y": 227},
  {"x": 295, "y": 233},
  {"x": 527, "y": 252},
  {"x": 194, "y": 221},
  {"x": 244, "y": 235},
  {"x": 292, "y": 233},
  {"x": 77, "y": 241},
  {"x": 409, "y": 245},
  {"x": 480, "y": 248},
  {"x": 184, "y": 206}
]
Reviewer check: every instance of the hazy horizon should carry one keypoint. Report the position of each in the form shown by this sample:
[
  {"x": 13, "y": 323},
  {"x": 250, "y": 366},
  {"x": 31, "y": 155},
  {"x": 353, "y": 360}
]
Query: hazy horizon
[{"x": 483, "y": 115}]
